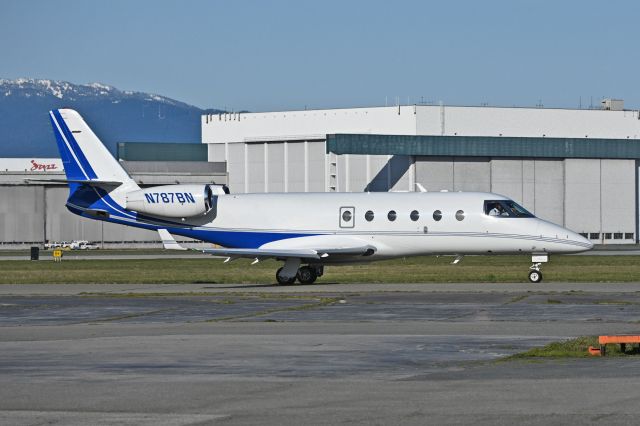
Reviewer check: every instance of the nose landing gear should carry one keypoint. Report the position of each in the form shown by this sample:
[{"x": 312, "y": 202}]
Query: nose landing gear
[{"x": 535, "y": 274}]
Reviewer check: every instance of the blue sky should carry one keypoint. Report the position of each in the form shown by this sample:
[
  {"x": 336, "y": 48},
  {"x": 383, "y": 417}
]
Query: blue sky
[{"x": 275, "y": 55}]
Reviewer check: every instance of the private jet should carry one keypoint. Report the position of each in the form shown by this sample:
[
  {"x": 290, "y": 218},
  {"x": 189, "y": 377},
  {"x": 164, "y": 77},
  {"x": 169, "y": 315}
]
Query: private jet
[{"x": 306, "y": 231}]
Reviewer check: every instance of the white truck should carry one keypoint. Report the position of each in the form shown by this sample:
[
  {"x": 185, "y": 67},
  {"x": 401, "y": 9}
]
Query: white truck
[{"x": 82, "y": 245}]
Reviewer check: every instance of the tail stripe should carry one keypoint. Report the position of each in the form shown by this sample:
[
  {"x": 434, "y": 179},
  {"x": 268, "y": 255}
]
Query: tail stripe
[{"x": 73, "y": 146}]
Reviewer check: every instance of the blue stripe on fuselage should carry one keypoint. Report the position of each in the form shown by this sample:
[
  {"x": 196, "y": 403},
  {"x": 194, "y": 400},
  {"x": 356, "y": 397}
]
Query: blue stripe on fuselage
[
  {"x": 235, "y": 239},
  {"x": 231, "y": 239}
]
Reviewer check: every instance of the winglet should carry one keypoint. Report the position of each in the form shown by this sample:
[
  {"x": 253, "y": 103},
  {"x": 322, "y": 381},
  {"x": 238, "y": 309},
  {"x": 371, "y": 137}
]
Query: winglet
[{"x": 168, "y": 241}]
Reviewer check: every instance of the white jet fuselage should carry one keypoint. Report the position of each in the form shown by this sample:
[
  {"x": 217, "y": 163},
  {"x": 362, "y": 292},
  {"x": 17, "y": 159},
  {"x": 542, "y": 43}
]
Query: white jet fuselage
[{"x": 314, "y": 218}]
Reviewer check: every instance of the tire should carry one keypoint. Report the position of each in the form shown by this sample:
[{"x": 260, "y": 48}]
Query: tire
[
  {"x": 535, "y": 276},
  {"x": 282, "y": 280},
  {"x": 307, "y": 275}
]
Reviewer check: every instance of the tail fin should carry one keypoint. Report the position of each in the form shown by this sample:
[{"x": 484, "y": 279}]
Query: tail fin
[{"x": 84, "y": 156}]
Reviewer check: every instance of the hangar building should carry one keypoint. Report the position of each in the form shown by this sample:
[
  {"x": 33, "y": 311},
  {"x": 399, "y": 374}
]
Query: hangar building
[
  {"x": 33, "y": 210},
  {"x": 575, "y": 167}
]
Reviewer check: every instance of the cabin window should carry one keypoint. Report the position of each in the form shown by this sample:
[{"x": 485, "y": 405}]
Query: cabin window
[
  {"x": 368, "y": 216},
  {"x": 437, "y": 215},
  {"x": 346, "y": 216},
  {"x": 392, "y": 215},
  {"x": 505, "y": 208},
  {"x": 460, "y": 215},
  {"x": 415, "y": 215}
]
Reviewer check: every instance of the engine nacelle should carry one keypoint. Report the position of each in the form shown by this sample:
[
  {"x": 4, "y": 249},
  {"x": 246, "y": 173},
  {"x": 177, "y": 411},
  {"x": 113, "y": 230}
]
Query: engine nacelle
[{"x": 174, "y": 200}]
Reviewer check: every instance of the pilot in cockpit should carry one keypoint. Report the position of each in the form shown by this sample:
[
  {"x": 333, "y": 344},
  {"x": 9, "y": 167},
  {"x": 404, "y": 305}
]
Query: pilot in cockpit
[{"x": 498, "y": 210}]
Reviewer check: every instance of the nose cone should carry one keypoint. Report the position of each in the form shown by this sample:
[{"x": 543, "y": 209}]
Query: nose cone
[
  {"x": 581, "y": 241},
  {"x": 562, "y": 240}
]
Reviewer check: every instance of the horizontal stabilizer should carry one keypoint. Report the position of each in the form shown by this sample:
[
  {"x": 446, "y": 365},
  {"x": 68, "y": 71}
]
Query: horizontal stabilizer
[{"x": 92, "y": 182}]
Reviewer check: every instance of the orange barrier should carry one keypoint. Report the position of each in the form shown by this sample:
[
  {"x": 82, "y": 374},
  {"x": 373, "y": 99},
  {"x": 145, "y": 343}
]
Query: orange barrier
[
  {"x": 620, "y": 339},
  {"x": 595, "y": 351},
  {"x": 603, "y": 340}
]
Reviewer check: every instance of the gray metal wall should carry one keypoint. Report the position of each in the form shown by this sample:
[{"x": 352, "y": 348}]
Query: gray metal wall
[
  {"x": 31, "y": 213},
  {"x": 22, "y": 213},
  {"x": 37, "y": 213},
  {"x": 601, "y": 197},
  {"x": 296, "y": 166}
]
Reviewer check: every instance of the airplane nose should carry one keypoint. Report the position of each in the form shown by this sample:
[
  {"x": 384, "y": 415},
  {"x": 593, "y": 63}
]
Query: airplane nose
[{"x": 588, "y": 245}]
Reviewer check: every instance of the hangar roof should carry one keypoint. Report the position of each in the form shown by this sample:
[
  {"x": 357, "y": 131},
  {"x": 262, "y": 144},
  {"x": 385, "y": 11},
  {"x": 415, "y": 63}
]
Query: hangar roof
[{"x": 482, "y": 146}]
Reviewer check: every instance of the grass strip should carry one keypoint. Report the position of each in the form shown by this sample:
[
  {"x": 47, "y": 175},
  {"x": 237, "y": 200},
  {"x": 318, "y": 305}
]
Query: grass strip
[
  {"x": 207, "y": 270},
  {"x": 572, "y": 348}
]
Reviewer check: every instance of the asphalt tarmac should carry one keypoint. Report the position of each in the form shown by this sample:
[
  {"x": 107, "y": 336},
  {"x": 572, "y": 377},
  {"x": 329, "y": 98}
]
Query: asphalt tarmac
[{"x": 319, "y": 354}]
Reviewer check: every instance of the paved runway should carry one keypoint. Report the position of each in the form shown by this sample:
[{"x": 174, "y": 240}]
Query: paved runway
[{"x": 322, "y": 354}]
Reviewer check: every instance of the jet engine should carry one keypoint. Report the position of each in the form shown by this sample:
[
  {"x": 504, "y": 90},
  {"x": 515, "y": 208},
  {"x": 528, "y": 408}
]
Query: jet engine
[{"x": 175, "y": 200}]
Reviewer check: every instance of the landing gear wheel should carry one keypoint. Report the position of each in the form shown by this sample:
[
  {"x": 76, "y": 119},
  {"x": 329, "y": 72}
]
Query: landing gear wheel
[
  {"x": 307, "y": 275},
  {"x": 535, "y": 276},
  {"x": 282, "y": 280}
]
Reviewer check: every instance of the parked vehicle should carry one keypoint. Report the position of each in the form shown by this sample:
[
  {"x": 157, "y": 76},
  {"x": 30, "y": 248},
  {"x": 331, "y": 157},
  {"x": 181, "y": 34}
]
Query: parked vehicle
[
  {"x": 73, "y": 245},
  {"x": 50, "y": 245},
  {"x": 82, "y": 245}
]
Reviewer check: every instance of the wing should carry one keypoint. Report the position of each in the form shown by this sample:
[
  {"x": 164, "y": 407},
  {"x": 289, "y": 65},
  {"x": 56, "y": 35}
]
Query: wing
[
  {"x": 93, "y": 182},
  {"x": 314, "y": 248},
  {"x": 263, "y": 253}
]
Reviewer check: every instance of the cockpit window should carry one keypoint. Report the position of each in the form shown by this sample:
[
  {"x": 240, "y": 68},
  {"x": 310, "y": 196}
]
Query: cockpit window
[{"x": 505, "y": 208}]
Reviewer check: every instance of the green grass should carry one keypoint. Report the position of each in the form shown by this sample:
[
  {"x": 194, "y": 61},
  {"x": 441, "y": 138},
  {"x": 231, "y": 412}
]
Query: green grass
[
  {"x": 205, "y": 270},
  {"x": 574, "y": 348}
]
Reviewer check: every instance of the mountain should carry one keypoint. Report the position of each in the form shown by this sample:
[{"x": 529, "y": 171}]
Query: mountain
[{"x": 115, "y": 116}]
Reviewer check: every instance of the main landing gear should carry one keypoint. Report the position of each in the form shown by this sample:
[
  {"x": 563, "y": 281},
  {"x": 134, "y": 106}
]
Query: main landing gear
[
  {"x": 305, "y": 275},
  {"x": 535, "y": 274}
]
